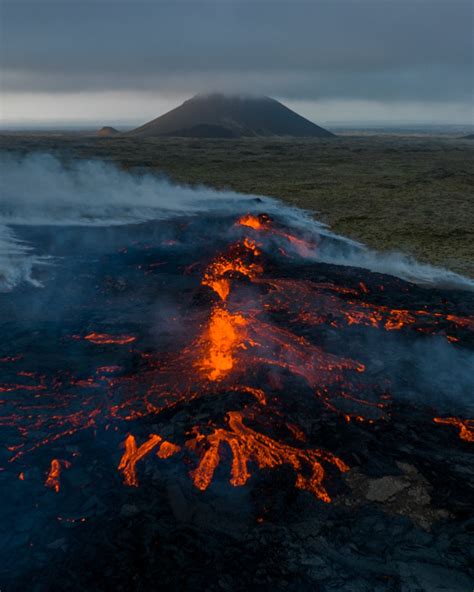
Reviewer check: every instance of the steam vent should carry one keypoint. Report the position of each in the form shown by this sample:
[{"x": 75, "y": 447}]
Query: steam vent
[{"x": 222, "y": 116}]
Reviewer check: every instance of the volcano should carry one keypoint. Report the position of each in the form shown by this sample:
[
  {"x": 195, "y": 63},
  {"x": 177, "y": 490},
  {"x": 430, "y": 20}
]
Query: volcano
[
  {"x": 223, "y": 116},
  {"x": 107, "y": 131}
]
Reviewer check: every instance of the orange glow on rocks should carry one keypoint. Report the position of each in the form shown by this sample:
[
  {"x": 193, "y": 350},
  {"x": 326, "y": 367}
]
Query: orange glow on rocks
[
  {"x": 219, "y": 273},
  {"x": 247, "y": 445},
  {"x": 263, "y": 222},
  {"x": 54, "y": 474},
  {"x": 224, "y": 335},
  {"x": 251, "y": 245},
  {"x": 465, "y": 426},
  {"x": 220, "y": 285},
  {"x": 251, "y": 221},
  {"x": 133, "y": 454},
  {"x": 105, "y": 338},
  {"x": 167, "y": 449},
  {"x": 277, "y": 339}
]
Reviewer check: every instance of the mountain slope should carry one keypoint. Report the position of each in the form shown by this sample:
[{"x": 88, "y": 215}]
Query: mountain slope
[
  {"x": 219, "y": 115},
  {"x": 107, "y": 131}
]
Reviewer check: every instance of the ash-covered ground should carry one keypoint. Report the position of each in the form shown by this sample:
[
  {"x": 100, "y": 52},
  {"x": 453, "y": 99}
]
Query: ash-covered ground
[{"x": 219, "y": 401}]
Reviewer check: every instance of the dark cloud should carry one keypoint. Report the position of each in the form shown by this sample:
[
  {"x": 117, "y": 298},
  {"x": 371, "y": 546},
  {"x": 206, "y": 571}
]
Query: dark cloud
[{"x": 378, "y": 50}]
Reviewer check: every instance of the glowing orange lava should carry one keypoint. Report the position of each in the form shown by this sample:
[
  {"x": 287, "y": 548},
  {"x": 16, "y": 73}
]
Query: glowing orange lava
[
  {"x": 257, "y": 346},
  {"x": 133, "y": 454},
  {"x": 251, "y": 221},
  {"x": 262, "y": 222},
  {"x": 54, "y": 474},
  {"x": 167, "y": 449},
  {"x": 105, "y": 338},
  {"x": 465, "y": 426},
  {"x": 247, "y": 446},
  {"x": 217, "y": 274},
  {"x": 225, "y": 333}
]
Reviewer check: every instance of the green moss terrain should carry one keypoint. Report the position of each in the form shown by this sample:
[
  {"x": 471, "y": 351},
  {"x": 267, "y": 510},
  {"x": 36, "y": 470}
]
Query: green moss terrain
[{"x": 407, "y": 193}]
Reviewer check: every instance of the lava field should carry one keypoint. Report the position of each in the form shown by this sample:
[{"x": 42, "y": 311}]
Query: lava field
[{"x": 202, "y": 404}]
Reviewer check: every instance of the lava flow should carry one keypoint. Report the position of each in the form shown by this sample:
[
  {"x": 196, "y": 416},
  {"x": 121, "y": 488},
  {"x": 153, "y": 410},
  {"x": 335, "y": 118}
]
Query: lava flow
[
  {"x": 259, "y": 343},
  {"x": 105, "y": 338},
  {"x": 247, "y": 445},
  {"x": 225, "y": 334},
  {"x": 465, "y": 426},
  {"x": 263, "y": 223},
  {"x": 219, "y": 273},
  {"x": 54, "y": 474}
]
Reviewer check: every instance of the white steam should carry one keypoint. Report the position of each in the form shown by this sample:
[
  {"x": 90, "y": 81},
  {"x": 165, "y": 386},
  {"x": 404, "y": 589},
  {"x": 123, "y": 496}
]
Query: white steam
[
  {"x": 16, "y": 260},
  {"x": 393, "y": 263},
  {"x": 40, "y": 190}
]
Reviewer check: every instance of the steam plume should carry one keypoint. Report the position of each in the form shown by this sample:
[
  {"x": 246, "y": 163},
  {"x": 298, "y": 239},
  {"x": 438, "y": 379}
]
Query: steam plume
[{"x": 38, "y": 189}]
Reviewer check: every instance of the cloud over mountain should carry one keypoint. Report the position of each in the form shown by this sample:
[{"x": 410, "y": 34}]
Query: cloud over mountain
[{"x": 355, "y": 49}]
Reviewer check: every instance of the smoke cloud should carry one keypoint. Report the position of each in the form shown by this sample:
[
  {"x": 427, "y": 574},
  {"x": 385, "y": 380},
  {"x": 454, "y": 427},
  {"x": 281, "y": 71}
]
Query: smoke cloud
[{"x": 40, "y": 190}]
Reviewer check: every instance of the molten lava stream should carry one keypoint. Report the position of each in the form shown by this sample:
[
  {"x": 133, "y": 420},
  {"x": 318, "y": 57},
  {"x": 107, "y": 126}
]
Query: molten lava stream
[
  {"x": 217, "y": 274},
  {"x": 105, "y": 338},
  {"x": 223, "y": 336},
  {"x": 54, "y": 474},
  {"x": 255, "y": 222},
  {"x": 247, "y": 445},
  {"x": 132, "y": 454},
  {"x": 262, "y": 222},
  {"x": 236, "y": 344},
  {"x": 465, "y": 426},
  {"x": 317, "y": 307}
]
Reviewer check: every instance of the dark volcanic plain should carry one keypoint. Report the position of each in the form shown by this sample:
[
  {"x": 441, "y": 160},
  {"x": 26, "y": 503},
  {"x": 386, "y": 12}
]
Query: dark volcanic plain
[
  {"x": 408, "y": 193},
  {"x": 314, "y": 421}
]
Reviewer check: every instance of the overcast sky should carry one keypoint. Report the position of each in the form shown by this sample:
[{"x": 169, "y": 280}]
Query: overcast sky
[{"x": 128, "y": 61}]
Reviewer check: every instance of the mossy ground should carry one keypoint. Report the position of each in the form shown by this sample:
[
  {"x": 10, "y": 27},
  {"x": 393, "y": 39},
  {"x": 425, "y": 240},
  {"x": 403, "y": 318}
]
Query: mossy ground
[{"x": 407, "y": 193}]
